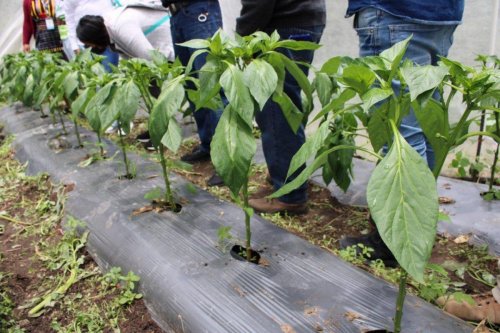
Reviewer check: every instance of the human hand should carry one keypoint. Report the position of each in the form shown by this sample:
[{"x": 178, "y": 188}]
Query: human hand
[{"x": 26, "y": 48}]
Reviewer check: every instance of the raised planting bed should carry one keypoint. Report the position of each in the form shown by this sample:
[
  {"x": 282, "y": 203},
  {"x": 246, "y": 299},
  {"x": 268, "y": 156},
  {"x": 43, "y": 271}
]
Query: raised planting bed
[{"x": 189, "y": 283}]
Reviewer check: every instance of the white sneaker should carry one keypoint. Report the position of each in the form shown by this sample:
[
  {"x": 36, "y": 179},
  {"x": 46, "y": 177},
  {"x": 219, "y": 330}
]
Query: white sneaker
[{"x": 113, "y": 128}]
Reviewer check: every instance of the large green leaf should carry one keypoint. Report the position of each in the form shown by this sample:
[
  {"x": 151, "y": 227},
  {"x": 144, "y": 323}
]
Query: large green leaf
[
  {"x": 324, "y": 88},
  {"x": 232, "y": 149},
  {"x": 168, "y": 103},
  {"x": 403, "y": 202},
  {"x": 309, "y": 148},
  {"x": 298, "y": 74},
  {"x": 96, "y": 106},
  {"x": 209, "y": 82},
  {"x": 394, "y": 55},
  {"x": 360, "y": 78},
  {"x": 261, "y": 80},
  {"x": 373, "y": 96},
  {"x": 379, "y": 130},
  {"x": 434, "y": 122},
  {"x": 423, "y": 78},
  {"x": 237, "y": 93},
  {"x": 127, "y": 98},
  {"x": 291, "y": 112},
  {"x": 70, "y": 84},
  {"x": 173, "y": 137},
  {"x": 112, "y": 106},
  {"x": 80, "y": 103}
]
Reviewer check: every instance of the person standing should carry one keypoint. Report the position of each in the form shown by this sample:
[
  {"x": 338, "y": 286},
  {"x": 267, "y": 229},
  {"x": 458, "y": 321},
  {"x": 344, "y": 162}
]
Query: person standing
[
  {"x": 42, "y": 21},
  {"x": 196, "y": 19},
  {"x": 380, "y": 24},
  {"x": 293, "y": 19}
]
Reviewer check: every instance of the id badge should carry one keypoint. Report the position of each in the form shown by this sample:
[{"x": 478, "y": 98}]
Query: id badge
[{"x": 50, "y": 24}]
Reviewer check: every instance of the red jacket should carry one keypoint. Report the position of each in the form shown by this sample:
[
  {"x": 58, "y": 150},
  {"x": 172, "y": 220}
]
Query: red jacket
[{"x": 29, "y": 24}]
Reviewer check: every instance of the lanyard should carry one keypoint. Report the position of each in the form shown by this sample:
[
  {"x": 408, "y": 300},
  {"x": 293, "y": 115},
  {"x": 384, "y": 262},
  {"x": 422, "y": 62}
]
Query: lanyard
[
  {"x": 43, "y": 8},
  {"x": 157, "y": 25}
]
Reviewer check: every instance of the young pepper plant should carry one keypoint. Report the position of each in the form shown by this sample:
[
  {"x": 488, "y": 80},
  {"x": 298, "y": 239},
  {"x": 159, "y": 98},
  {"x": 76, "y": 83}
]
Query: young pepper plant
[
  {"x": 401, "y": 193},
  {"x": 248, "y": 71}
]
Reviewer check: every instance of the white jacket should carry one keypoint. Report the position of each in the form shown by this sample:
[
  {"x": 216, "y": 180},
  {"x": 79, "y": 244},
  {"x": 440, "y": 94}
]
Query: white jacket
[{"x": 74, "y": 10}]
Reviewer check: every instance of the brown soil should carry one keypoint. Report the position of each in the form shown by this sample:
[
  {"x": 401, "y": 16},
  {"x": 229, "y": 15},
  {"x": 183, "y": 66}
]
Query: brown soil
[{"x": 23, "y": 275}]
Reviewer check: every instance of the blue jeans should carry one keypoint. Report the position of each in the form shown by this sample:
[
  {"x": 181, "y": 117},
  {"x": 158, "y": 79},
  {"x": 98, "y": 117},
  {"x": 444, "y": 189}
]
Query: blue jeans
[
  {"x": 111, "y": 58},
  {"x": 378, "y": 30},
  {"x": 186, "y": 25},
  {"x": 279, "y": 142}
]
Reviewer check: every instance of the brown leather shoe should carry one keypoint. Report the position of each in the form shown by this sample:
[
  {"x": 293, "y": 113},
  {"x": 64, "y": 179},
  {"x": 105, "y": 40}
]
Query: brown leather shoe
[
  {"x": 272, "y": 206},
  {"x": 485, "y": 307}
]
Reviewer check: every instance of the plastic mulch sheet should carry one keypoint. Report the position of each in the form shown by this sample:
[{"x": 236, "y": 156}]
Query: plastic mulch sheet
[{"x": 189, "y": 283}]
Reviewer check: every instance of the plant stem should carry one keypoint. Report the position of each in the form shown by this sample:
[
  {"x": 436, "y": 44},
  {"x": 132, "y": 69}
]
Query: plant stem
[
  {"x": 61, "y": 120},
  {"x": 169, "y": 198},
  {"x": 495, "y": 158},
  {"x": 77, "y": 132},
  {"x": 400, "y": 301},
  {"x": 124, "y": 150},
  {"x": 247, "y": 221},
  {"x": 101, "y": 148}
]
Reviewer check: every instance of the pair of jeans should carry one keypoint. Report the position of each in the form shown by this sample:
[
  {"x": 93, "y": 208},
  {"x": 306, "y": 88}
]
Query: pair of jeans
[
  {"x": 279, "y": 142},
  {"x": 378, "y": 30},
  {"x": 197, "y": 20},
  {"x": 111, "y": 58}
]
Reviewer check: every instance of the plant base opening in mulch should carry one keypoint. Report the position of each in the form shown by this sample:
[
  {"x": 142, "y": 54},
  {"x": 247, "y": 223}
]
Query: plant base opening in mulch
[
  {"x": 127, "y": 176},
  {"x": 157, "y": 207},
  {"x": 239, "y": 252}
]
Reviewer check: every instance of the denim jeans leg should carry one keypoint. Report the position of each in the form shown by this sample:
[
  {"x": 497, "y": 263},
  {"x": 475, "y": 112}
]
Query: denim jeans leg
[
  {"x": 186, "y": 25},
  {"x": 279, "y": 142},
  {"x": 378, "y": 31},
  {"x": 111, "y": 58}
]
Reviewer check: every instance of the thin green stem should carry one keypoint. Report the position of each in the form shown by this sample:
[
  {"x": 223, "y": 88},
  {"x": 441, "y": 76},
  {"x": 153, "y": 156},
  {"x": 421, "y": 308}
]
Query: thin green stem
[
  {"x": 400, "y": 301},
  {"x": 61, "y": 120},
  {"x": 77, "y": 133},
  {"x": 495, "y": 158},
  {"x": 101, "y": 148},
  {"x": 247, "y": 221},
  {"x": 124, "y": 150},
  {"x": 169, "y": 198}
]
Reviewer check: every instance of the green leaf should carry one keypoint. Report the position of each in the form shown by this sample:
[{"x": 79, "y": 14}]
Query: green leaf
[
  {"x": 196, "y": 44},
  {"x": 297, "y": 45},
  {"x": 80, "y": 103},
  {"x": 111, "y": 109},
  {"x": 298, "y": 74},
  {"x": 379, "y": 130},
  {"x": 70, "y": 84},
  {"x": 237, "y": 93},
  {"x": 403, "y": 201},
  {"x": 154, "y": 194},
  {"x": 173, "y": 137},
  {"x": 96, "y": 106},
  {"x": 324, "y": 88},
  {"x": 168, "y": 103},
  {"x": 291, "y": 112},
  {"x": 232, "y": 149},
  {"x": 373, "y": 96},
  {"x": 261, "y": 80},
  {"x": 309, "y": 148},
  {"x": 209, "y": 82},
  {"x": 423, "y": 78},
  {"x": 394, "y": 55},
  {"x": 360, "y": 78},
  {"x": 127, "y": 99},
  {"x": 434, "y": 122}
]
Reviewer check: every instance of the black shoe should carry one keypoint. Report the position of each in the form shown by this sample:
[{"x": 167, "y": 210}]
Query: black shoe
[
  {"x": 148, "y": 145},
  {"x": 143, "y": 137},
  {"x": 374, "y": 241},
  {"x": 215, "y": 180},
  {"x": 196, "y": 155}
]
